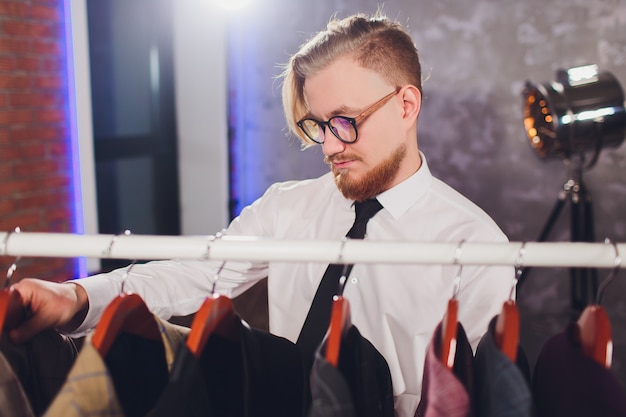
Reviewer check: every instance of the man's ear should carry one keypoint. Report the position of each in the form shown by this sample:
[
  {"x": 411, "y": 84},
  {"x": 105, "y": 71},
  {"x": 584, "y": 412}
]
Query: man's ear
[{"x": 411, "y": 103}]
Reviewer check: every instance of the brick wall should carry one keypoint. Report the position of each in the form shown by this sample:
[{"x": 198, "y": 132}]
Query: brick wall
[{"x": 35, "y": 164}]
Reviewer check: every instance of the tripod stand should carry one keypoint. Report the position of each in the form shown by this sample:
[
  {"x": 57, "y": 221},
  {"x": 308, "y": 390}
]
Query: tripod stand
[{"x": 583, "y": 281}]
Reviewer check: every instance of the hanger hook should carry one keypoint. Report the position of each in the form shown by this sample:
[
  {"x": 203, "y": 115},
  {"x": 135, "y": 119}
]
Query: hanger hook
[
  {"x": 129, "y": 267},
  {"x": 207, "y": 256},
  {"x": 519, "y": 268},
  {"x": 126, "y": 274},
  {"x": 346, "y": 268},
  {"x": 616, "y": 265},
  {"x": 457, "y": 257},
  {"x": 13, "y": 267},
  {"x": 107, "y": 252},
  {"x": 5, "y": 241},
  {"x": 341, "y": 249},
  {"x": 207, "y": 253}
]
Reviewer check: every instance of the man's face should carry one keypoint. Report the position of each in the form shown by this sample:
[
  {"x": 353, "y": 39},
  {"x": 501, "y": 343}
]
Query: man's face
[{"x": 376, "y": 161}]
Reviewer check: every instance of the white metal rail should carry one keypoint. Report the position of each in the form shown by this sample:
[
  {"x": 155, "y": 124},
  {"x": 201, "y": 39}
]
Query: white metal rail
[{"x": 147, "y": 247}]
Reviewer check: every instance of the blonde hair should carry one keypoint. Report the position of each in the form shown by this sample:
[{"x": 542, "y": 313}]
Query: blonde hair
[{"x": 376, "y": 43}]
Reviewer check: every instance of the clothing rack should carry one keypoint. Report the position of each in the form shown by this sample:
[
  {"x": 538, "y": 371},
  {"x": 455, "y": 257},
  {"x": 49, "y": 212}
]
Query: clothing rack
[{"x": 250, "y": 248}]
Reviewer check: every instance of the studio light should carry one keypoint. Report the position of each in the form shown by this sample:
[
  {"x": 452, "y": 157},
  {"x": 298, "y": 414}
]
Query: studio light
[
  {"x": 573, "y": 119},
  {"x": 577, "y": 115}
]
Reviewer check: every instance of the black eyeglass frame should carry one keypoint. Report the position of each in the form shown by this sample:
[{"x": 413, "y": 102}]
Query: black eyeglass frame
[{"x": 352, "y": 120}]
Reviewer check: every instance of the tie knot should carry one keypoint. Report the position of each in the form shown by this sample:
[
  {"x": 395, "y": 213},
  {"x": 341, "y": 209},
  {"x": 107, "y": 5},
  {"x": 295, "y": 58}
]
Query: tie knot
[{"x": 365, "y": 210}]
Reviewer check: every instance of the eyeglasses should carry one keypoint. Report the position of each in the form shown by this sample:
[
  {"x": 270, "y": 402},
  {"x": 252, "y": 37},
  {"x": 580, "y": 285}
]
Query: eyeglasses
[{"x": 343, "y": 127}]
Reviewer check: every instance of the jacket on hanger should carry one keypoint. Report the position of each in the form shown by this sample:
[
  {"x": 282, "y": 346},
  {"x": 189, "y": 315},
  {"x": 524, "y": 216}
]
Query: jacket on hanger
[
  {"x": 39, "y": 365},
  {"x": 445, "y": 392},
  {"x": 128, "y": 382},
  {"x": 566, "y": 382},
  {"x": 259, "y": 375},
  {"x": 502, "y": 387},
  {"x": 360, "y": 385},
  {"x": 12, "y": 397}
]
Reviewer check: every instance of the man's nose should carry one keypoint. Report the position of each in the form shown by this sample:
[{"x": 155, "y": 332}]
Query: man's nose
[{"x": 332, "y": 145}]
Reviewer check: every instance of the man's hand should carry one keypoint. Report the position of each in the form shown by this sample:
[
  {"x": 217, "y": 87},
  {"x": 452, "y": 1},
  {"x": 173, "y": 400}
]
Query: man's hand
[{"x": 52, "y": 305}]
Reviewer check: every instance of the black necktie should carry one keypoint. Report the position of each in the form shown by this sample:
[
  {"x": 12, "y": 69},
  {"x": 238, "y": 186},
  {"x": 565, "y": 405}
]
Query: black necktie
[{"x": 318, "y": 318}]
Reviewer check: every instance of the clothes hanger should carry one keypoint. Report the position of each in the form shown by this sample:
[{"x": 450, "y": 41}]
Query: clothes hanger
[
  {"x": 594, "y": 327},
  {"x": 340, "y": 320},
  {"x": 507, "y": 324},
  {"x": 450, "y": 319},
  {"x": 12, "y": 311},
  {"x": 215, "y": 316},
  {"x": 127, "y": 313}
]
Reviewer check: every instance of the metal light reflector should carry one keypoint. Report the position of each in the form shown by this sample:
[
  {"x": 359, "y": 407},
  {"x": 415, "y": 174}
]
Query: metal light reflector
[{"x": 582, "y": 111}]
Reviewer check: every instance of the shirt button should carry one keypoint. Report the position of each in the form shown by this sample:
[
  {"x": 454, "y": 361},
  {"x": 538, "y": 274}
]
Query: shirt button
[{"x": 354, "y": 280}]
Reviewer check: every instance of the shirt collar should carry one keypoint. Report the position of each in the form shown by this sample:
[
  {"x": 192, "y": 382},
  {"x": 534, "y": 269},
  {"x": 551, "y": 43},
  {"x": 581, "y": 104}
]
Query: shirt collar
[{"x": 398, "y": 199}]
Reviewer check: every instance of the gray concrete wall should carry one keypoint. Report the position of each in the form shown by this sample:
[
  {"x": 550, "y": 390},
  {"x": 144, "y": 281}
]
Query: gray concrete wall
[{"x": 476, "y": 57}]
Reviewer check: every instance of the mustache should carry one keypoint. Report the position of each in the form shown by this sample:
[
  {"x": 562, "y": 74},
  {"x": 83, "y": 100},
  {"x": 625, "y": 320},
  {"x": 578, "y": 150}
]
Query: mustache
[{"x": 329, "y": 160}]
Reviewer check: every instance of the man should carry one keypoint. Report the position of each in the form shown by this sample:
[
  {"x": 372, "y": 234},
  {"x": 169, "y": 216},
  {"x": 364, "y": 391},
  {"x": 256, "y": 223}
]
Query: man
[{"x": 355, "y": 89}]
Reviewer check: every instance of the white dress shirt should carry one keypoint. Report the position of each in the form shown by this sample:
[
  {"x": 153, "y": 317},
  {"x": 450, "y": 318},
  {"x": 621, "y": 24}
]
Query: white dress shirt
[{"x": 396, "y": 307}]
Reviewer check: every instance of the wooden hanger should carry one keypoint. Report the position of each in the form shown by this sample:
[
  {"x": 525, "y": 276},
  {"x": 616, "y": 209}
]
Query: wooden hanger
[
  {"x": 594, "y": 332},
  {"x": 12, "y": 311},
  {"x": 340, "y": 322},
  {"x": 507, "y": 324},
  {"x": 215, "y": 316},
  {"x": 450, "y": 320},
  {"x": 127, "y": 313},
  {"x": 594, "y": 327},
  {"x": 507, "y": 330},
  {"x": 448, "y": 333},
  {"x": 340, "y": 319}
]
